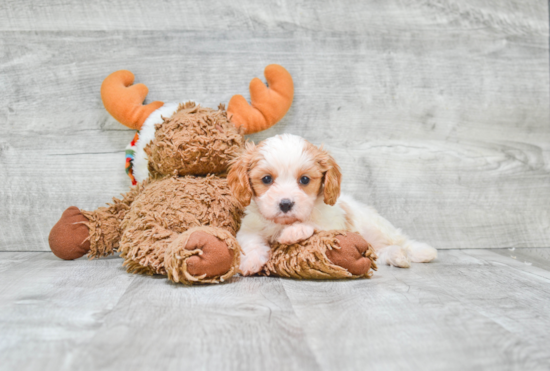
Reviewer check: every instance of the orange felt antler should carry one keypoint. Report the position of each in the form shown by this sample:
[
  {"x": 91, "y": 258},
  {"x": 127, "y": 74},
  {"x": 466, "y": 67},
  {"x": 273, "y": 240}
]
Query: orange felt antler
[
  {"x": 269, "y": 104},
  {"x": 124, "y": 101}
]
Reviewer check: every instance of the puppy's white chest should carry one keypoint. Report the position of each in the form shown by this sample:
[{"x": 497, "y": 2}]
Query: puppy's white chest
[{"x": 335, "y": 217}]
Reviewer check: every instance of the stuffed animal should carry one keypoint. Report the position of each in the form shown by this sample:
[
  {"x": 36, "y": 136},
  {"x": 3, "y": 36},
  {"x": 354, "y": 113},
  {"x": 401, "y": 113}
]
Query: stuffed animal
[{"x": 180, "y": 218}]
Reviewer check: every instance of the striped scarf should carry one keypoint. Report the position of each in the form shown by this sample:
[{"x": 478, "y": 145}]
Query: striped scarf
[{"x": 130, "y": 154}]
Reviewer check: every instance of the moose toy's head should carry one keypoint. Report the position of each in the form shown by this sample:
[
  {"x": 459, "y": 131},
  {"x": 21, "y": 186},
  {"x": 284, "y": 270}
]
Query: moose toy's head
[{"x": 187, "y": 139}]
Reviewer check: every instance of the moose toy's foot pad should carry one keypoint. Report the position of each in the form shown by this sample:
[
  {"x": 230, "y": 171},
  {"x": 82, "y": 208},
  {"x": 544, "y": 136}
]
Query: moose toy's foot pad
[
  {"x": 202, "y": 255},
  {"x": 352, "y": 254},
  {"x": 216, "y": 259},
  {"x": 69, "y": 237}
]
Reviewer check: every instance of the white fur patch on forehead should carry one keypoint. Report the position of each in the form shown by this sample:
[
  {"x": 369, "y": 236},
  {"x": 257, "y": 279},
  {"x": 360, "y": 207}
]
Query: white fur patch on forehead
[{"x": 285, "y": 152}]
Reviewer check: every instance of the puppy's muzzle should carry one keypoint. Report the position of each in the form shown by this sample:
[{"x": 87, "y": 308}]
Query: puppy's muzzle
[{"x": 285, "y": 205}]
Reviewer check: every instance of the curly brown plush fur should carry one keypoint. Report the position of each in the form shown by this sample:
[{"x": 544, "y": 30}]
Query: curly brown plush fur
[{"x": 201, "y": 137}]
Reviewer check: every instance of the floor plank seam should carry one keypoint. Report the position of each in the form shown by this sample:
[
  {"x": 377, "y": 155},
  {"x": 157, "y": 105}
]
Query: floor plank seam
[
  {"x": 517, "y": 269},
  {"x": 306, "y": 336}
]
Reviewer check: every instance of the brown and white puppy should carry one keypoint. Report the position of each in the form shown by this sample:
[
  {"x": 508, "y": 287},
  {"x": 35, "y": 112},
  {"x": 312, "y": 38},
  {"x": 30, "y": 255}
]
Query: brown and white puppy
[{"x": 291, "y": 189}]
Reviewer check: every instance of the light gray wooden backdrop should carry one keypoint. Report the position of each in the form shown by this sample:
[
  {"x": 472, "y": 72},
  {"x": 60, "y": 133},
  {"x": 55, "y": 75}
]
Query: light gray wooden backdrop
[{"x": 437, "y": 110}]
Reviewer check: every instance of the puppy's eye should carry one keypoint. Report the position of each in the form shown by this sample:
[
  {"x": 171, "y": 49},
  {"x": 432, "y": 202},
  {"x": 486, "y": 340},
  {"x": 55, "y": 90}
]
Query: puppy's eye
[
  {"x": 304, "y": 180},
  {"x": 267, "y": 179}
]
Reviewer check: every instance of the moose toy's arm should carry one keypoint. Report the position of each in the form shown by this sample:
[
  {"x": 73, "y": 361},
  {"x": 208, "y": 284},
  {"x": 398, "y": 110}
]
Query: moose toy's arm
[{"x": 325, "y": 255}]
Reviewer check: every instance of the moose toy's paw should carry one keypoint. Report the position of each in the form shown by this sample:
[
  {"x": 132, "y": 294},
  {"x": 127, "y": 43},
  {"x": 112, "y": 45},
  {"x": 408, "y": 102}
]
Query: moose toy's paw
[
  {"x": 69, "y": 236},
  {"x": 203, "y": 254},
  {"x": 355, "y": 254},
  {"x": 216, "y": 258}
]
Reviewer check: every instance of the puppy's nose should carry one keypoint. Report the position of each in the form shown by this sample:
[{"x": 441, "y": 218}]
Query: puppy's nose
[{"x": 285, "y": 205}]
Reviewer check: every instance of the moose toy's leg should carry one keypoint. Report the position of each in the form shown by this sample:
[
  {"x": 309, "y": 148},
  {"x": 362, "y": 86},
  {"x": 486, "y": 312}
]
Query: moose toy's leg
[
  {"x": 202, "y": 255},
  {"x": 80, "y": 232},
  {"x": 198, "y": 255},
  {"x": 96, "y": 233}
]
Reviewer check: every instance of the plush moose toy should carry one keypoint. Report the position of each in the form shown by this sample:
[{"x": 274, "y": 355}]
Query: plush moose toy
[{"x": 180, "y": 219}]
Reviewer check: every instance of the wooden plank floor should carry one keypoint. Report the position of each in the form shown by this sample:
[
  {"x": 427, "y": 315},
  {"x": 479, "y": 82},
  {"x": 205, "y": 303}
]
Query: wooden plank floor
[{"x": 468, "y": 310}]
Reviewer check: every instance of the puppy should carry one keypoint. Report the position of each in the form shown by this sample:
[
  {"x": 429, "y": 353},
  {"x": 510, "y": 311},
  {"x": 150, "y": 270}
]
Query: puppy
[{"x": 291, "y": 189}]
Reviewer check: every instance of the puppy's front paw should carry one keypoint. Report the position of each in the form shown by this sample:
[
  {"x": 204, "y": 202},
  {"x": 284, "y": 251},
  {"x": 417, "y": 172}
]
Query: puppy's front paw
[
  {"x": 253, "y": 261},
  {"x": 295, "y": 233}
]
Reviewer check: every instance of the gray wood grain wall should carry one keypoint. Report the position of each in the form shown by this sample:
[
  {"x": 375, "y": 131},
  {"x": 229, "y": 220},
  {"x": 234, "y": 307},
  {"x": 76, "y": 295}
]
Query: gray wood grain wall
[{"x": 437, "y": 110}]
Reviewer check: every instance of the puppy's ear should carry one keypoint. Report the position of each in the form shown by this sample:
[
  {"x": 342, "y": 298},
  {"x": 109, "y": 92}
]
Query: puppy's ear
[
  {"x": 332, "y": 177},
  {"x": 238, "y": 178}
]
